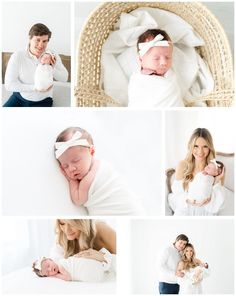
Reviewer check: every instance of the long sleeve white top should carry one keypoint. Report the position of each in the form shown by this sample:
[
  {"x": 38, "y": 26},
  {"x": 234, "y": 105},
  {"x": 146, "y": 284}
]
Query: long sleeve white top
[
  {"x": 20, "y": 71},
  {"x": 168, "y": 265}
]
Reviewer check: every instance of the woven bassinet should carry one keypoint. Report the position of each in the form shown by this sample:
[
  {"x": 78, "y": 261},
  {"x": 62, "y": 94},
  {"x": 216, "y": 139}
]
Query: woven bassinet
[{"x": 216, "y": 52}]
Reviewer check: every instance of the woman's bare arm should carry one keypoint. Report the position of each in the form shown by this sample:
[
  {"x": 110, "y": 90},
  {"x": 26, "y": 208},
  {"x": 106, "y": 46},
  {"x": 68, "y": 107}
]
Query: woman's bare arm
[
  {"x": 179, "y": 172},
  {"x": 106, "y": 237}
]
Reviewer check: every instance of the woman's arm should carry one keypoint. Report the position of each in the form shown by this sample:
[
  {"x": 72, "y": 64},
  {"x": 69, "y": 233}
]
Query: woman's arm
[
  {"x": 91, "y": 254},
  {"x": 106, "y": 237},
  {"x": 220, "y": 178},
  {"x": 179, "y": 172}
]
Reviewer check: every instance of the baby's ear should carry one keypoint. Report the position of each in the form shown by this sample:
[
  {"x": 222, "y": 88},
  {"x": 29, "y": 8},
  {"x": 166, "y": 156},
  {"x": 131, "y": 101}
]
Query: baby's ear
[{"x": 92, "y": 150}]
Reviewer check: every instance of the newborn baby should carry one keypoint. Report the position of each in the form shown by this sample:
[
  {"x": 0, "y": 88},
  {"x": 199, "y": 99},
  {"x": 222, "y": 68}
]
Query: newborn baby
[
  {"x": 74, "y": 268},
  {"x": 156, "y": 84},
  {"x": 43, "y": 77}
]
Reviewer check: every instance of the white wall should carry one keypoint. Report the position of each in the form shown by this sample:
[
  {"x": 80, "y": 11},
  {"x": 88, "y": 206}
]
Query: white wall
[
  {"x": 179, "y": 126},
  {"x": 213, "y": 241},
  {"x": 31, "y": 239},
  {"x": 18, "y": 18},
  {"x": 32, "y": 182}
]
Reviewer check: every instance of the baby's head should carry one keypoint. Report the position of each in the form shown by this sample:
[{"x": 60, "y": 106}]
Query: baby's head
[
  {"x": 74, "y": 151},
  {"x": 214, "y": 168},
  {"x": 155, "y": 51},
  {"x": 45, "y": 267},
  {"x": 46, "y": 59}
]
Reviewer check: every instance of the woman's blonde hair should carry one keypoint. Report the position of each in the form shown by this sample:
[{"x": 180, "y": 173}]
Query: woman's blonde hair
[
  {"x": 197, "y": 133},
  {"x": 85, "y": 240},
  {"x": 186, "y": 263}
]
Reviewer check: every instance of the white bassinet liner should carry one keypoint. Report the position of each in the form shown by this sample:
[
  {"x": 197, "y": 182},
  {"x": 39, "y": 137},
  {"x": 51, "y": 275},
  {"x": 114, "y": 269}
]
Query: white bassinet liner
[{"x": 120, "y": 59}]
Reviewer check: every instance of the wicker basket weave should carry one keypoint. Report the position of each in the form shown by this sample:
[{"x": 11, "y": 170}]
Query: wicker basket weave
[{"x": 216, "y": 52}]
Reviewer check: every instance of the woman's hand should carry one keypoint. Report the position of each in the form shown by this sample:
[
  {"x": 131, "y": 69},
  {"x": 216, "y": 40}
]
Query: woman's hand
[
  {"x": 220, "y": 178},
  {"x": 204, "y": 202},
  {"x": 91, "y": 254}
]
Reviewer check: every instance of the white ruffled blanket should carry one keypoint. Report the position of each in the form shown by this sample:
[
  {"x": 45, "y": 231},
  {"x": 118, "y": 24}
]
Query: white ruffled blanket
[
  {"x": 108, "y": 195},
  {"x": 177, "y": 200},
  {"x": 201, "y": 187},
  {"x": 154, "y": 91},
  {"x": 188, "y": 284},
  {"x": 43, "y": 77},
  {"x": 119, "y": 54}
]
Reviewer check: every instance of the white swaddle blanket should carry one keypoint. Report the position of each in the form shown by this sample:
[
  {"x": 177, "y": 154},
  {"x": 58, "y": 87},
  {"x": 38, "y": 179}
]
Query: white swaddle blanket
[
  {"x": 201, "y": 187},
  {"x": 120, "y": 59},
  {"x": 188, "y": 284},
  {"x": 154, "y": 91},
  {"x": 43, "y": 77},
  {"x": 108, "y": 195},
  {"x": 87, "y": 270}
]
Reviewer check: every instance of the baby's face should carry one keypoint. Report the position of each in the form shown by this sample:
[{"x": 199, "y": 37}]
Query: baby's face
[
  {"x": 212, "y": 170},
  {"x": 46, "y": 59},
  {"x": 49, "y": 268},
  {"x": 158, "y": 59},
  {"x": 76, "y": 161}
]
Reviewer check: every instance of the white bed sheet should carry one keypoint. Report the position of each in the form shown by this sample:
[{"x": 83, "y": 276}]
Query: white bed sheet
[{"x": 24, "y": 281}]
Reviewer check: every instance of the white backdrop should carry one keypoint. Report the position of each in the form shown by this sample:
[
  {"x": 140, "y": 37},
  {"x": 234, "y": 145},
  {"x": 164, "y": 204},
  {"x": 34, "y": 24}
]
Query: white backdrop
[
  {"x": 31, "y": 179},
  {"x": 213, "y": 241},
  {"x": 25, "y": 240},
  {"x": 179, "y": 126},
  {"x": 18, "y": 18}
]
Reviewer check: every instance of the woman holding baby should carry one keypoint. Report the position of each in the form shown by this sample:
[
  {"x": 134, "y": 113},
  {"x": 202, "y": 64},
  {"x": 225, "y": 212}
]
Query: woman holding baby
[
  {"x": 21, "y": 69},
  {"x": 191, "y": 173},
  {"x": 83, "y": 238},
  {"x": 194, "y": 271}
]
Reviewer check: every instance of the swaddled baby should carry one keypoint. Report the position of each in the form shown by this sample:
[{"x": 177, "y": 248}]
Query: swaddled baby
[
  {"x": 74, "y": 268},
  {"x": 201, "y": 189},
  {"x": 43, "y": 77},
  {"x": 156, "y": 84},
  {"x": 92, "y": 183}
]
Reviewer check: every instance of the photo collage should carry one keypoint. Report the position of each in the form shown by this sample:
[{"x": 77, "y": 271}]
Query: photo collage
[{"x": 124, "y": 164}]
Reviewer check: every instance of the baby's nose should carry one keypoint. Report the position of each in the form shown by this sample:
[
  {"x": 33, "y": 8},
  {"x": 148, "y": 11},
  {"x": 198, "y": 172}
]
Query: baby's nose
[
  {"x": 163, "y": 61},
  {"x": 72, "y": 168}
]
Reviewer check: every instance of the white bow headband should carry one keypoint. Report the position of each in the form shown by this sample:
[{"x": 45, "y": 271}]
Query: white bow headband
[
  {"x": 215, "y": 163},
  {"x": 76, "y": 140},
  {"x": 38, "y": 263},
  {"x": 157, "y": 41}
]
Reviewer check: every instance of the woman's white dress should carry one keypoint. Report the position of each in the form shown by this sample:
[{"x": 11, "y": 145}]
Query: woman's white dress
[
  {"x": 187, "y": 285},
  {"x": 177, "y": 199}
]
